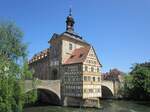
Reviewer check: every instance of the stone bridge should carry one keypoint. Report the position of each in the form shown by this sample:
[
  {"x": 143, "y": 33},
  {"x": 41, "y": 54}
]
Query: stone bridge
[
  {"x": 109, "y": 89},
  {"x": 49, "y": 90}
]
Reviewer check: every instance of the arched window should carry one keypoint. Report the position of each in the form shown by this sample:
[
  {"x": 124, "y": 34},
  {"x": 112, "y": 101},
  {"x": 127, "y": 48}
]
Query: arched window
[{"x": 54, "y": 74}]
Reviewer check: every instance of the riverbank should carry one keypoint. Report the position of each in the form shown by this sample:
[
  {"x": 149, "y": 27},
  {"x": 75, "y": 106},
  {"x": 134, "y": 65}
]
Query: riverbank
[{"x": 108, "y": 106}]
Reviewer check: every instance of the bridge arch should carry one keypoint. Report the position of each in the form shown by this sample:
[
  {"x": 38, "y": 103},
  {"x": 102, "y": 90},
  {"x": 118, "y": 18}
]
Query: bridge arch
[
  {"x": 46, "y": 88},
  {"x": 46, "y": 97},
  {"x": 107, "y": 89},
  {"x": 106, "y": 92}
]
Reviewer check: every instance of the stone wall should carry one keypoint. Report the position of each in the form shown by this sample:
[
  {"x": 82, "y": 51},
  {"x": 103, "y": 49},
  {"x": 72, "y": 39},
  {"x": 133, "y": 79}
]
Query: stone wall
[
  {"x": 80, "y": 102},
  {"x": 40, "y": 68}
]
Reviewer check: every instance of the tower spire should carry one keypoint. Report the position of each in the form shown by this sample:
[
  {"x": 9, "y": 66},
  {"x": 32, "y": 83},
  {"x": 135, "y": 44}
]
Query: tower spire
[
  {"x": 70, "y": 22},
  {"x": 70, "y": 11}
]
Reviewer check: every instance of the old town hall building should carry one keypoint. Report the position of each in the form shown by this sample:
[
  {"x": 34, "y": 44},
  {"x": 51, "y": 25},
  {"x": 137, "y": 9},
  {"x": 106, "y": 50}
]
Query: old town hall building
[{"x": 74, "y": 62}]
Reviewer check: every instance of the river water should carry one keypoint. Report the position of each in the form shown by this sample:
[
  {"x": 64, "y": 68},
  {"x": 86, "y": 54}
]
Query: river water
[{"x": 107, "y": 106}]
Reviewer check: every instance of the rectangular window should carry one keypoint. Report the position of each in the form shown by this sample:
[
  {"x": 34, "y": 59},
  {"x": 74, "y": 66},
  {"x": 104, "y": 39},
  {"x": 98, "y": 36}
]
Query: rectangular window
[
  {"x": 85, "y": 78},
  {"x": 86, "y": 68},
  {"x": 97, "y": 69},
  {"x": 92, "y": 69},
  {"x": 70, "y": 46},
  {"x": 94, "y": 79},
  {"x": 98, "y": 79},
  {"x": 89, "y": 78},
  {"x": 91, "y": 90}
]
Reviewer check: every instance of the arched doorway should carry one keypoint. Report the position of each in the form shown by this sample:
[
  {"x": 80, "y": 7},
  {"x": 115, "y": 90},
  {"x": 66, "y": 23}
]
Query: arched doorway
[
  {"x": 106, "y": 92},
  {"x": 54, "y": 74}
]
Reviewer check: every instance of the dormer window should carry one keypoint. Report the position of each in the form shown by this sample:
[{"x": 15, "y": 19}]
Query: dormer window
[
  {"x": 72, "y": 56},
  {"x": 70, "y": 46},
  {"x": 80, "y": 56}
]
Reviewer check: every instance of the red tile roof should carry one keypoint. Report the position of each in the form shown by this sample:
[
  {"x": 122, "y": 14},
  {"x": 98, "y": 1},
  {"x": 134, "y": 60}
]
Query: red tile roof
[
  {"x": 78, "y": 55},
  {"x": 39, "y": 56}
]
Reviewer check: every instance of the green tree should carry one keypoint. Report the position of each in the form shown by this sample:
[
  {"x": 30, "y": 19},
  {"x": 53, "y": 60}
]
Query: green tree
[
  {"x": 127, "y": 86},
  {"x": 141, "y": 82},
  {"x": 13, "y": 69},
  {"x": 137, "y": 83}
]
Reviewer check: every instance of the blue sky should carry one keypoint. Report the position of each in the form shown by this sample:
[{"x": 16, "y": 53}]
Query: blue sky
[{"x": 119, "y": 30}]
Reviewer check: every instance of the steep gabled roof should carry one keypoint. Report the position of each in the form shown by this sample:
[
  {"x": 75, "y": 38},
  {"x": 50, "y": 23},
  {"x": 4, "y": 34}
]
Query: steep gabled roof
[
  {"x": 78, "y": 55},
  {"x": 96, "y": 56}
]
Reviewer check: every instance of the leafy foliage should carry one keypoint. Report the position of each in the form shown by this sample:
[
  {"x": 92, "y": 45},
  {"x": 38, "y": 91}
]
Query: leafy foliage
[
  {"x": 137, "y": 83},
  {"x": 13, "y": 69}
]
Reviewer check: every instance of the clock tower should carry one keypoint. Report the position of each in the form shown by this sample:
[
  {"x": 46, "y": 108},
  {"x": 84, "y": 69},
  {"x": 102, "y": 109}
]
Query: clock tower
[
  {"x": 55, "y": 57},
  {"x": 59, "y": 48}
]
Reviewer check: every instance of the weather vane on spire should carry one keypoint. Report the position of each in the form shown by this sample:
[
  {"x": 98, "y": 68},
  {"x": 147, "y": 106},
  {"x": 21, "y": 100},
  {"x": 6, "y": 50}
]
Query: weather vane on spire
[{"x": 70, "y": 11}]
